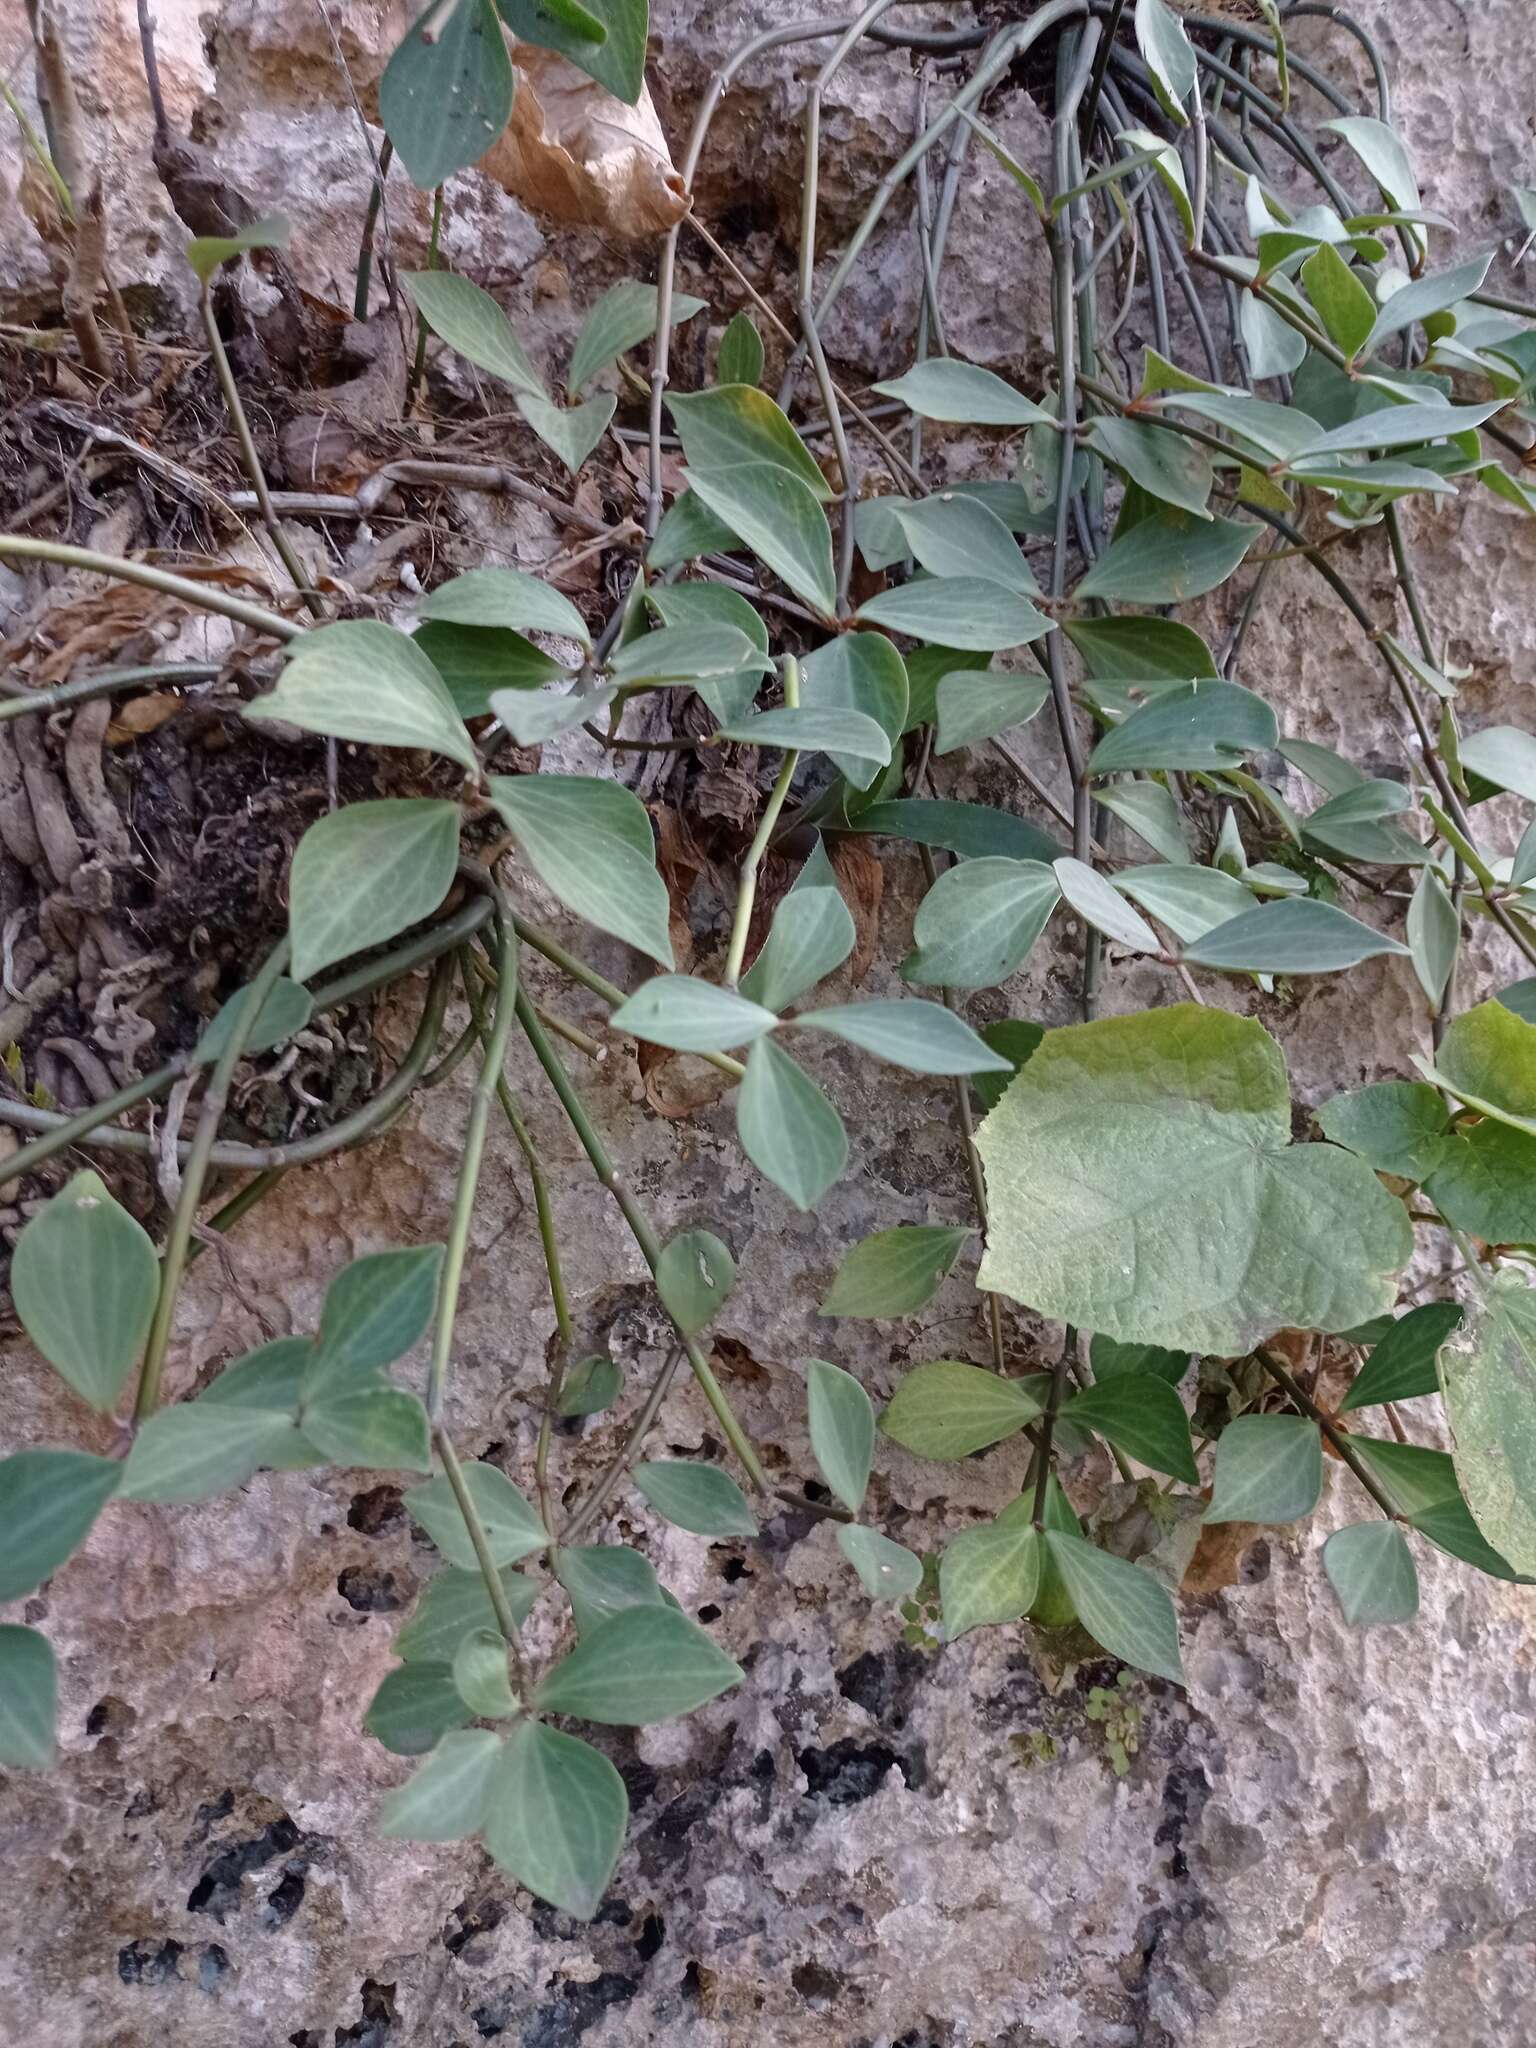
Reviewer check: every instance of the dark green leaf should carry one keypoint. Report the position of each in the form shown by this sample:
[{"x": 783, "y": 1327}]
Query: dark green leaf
[
  {"x": 473, "y": 661},
  {"x": 48, "y": 1501},
  {"x": 700, "y": 1498},
  {"x": 512, "y": 1528},
  {"x": 555, "y": 1815},
  {"x": 415, "y": 1706},
  {"x": 694, "y": 1276},
  {"x": 1167, "y": 558},
  {"x": 480, "y": 1675},
  {"x": 1450, "y": 1527},
  {"x": 645, "y": 1664},
  {"x": 1017, "y": 1040},
  {"x": 1486, "y": 1184},
  {"x": 895, "y": 1272},
  {"x": 736, "y": 426},
  {"x": 1160, "y": 460},
  {"x": 1128, "y": 648},
  {"x": 1112, "y": 1361},
  {"x": 972, "y": 830},
  {"x": 206, "y": 253},
  {"x": 842, "y": 1430},
  {"x": 1412, "y": 1477},
  {"x": 1345, "y": 306},
  {"x": 975, "y": 705},
  {"x": 778, "y": 516},
  {"x": 28, "y": 1699},
  {"x": 689, "y": 529},
  {"x": 446, "y": 93},
  {"x": 948, "y": 1409},
  {"x": 1140, "y": 1414},
  {"x": 696, "y": 651},
  {"x": 508, "y": 599},
  {"x": 1402, "y": 1364},
  {"x": 1269, "y": 1468},
  {"x": 1121, "y": 1606},
  {"x": 787, "y": 1127},
  {"x": 591, "y": 1385},
  {"x": 286, "y": 1008},
  {"x": 89, "y": 1333},
  {"x": 616, "y": 58},
  {"x": 1488, "y": 1376}
]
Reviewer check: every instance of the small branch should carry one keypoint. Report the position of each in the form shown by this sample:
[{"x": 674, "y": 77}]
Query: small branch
[
  {"x": 746, "y": 892},
  {"x": 585, "y": 1515},
  {"x": 453, "y": 1471},
  {"x": 18, "y": 547}
]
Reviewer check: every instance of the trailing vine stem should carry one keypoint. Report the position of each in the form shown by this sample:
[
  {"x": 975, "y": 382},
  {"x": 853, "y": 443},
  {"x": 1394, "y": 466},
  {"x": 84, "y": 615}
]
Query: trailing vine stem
[
  {"x": 1283, "y": 1377},
  {"x": 746, "y": 891},
  {"x": 453, "y": 1471}
]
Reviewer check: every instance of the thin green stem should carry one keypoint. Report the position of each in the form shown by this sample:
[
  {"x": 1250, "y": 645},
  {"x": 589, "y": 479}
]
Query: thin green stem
[
  {"x": 453, "y": 1471},
  {"x": 586, "y": 1514},
  {"x": 419, "y": 360},
  {"x": 84, "y": 689},
  {"x": 1042, "y": 1455},
  {"x": 640, "y": 1229},
  {"x": 206, "y": 597},
  {"x": 178, "y": 1241},
  {"x": 746, "y": 891}
]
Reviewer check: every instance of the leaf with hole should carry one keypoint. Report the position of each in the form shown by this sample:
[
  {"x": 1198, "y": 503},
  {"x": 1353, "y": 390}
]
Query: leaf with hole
[
  {"x": 1269, "y": 1468},
  {"x": 948, "y": 1409},
  {"x": 445, "y": 1799},
  {"x": 589, "y": 841},
  {"x": 923, "y": 1037},
  {"x": 987, "y": 1575},
  {"x": 29, "y": 1689},
  {"x": 1122, "y": 1606},
  {"x": 1142, "y": 1184},
  {"x": 842, "y": 1422},
  {"x": 944, "y": 388},
  {"x": 92, "y": 1334},
  {"x": 620, "y": 320},
  {"x": 48, "y": 1501},
  {"x": 1300, "y": 936},
  {"x": 555, "y": 1813},
  {"x": 895, "y": 1272},
  {"x": 361, "y": 680},
  {"x": 887, "y": 1570},
  {"x": 811, "y": 935},
  {"x": 511, "y": 1525},
  {"x": 689, "y": 1015},
  {"x": 1140, "y": 1414},
  {"x": 787, "y": 1127},
  {"x": 957, "y": 611},
  {"x": 446, "y": 93},
  {"x": 979, "y": 922},
  {"x": 645, "y": 1664},
  {"x": 1371, "y": 1571},
  {"x": 475, "y": 327},
  {"x": 454, "y": 1602},
  {"x": 1402, "y": 1366},
  {"x": 700, "y": 1498},
  {"x": 694, "y": 1277}
]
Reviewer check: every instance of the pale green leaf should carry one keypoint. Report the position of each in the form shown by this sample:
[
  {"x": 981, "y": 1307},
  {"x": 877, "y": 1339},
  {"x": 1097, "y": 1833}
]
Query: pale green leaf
[
  {"x": 1122, "y": 1607},
  {"x": 270, "y": 1379},
  {"x": 1423, "y": 297},
  {"x": 1087, "y": 892},
  {"x": 987, "y": 1575},
  {"x": 446, "y": 93},
  {"x": 645, "y": 1664},
  {"x": 1487, "y": 1060},
  {"x": 842, "y": 1422},
  {"x": 197, "y": 1449},
  {"x": 1192, "y": 725},
  {"x": 944, "y": 388},
  {"x": 512, "y": 1527},
  {"x": 1167, "y": 558},
  {"x": 365, "y": 873},
  {"x": 741, "y": 352},
  {"x": 895, "y": 1272},
  {"x": 446, "y": 1799},
  {"x": 812, "y": 728},
  {"x": 812, "y": 934},
  {"x": 90, "y": 1334},
  {"x": 776, "y": 514},
  {"x": 1269, "y": 1468},
  {"x": 1169, "y": 167},
  {"x": 48, "y": 1501},
  {"x": 1504, "y": 756},
  {"x": 980, "y": 921},
  {"x": 684, "y": 604},
  {"x": 787, "y": 1127},
  {"x": 953, "y": 535},
  {"x": 736, "y": 425},
  {"x": 1486, "y": 1184},
  {"x": 452, "y": 1603},
  {"x": 923, "y": 1037},
  {"x": 975, "y": 705},
  {"x": 1488, "y": 1375},
  {"x": 1398, "y": 1127},
  {"x": 414, "y": 1707},
  {"x": 475, "y": 327},
  {"x": 1397, "y": 426},
  {"x": 533, "y": 716},
  {"x": 699, "y": 1498},
  {"x": 506, "y": 598},
  {"x": 572, "y": 431},
  {"x": 1371, "y": 1570},
  {"x": 375, "y": 1309},
  {"x": 887, "y": 1571},
  {"x": 697, "y": 651},
  {"x": 859, "y": 672},
  {"x": 1142, "y": 1184},
  {"x": 1300, "y": 936},
  {"x": 1169, "y": 57},
  {"x": 948, "y": 1409},
  {"x": 480, "y": 1675},
  {"x": 1166, "y": 465},
  {"x": 602, "y": 1579},
  {"x": 694, "y": 1277},
  {"x": 555, "y": 1815},
  {"x": 285, "y": 1009},
  {"x": 691, "y": 1015},
  {"x": 1191, "y": 901},
  {"x": 620, "y": 320},
  {"x": 590, "y": 842},
  {"x": 368, "y": 1423},
  {"x": 957, "y": 611},
  {"x": 28, "y": 1699},
  {"x": 206, "y": 253},
  {"x": 361, "y": 680}
]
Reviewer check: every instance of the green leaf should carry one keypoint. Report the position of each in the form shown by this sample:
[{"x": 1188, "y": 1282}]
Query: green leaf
[
  {"x": 474, "y": 661},
  {"x": 604, "y": 38},
  {"x": 1398, "y": 1127},
  {"x": 645, "y": 1664},
  {"x": 689, "y": 529},
  {"x": 591, "y": 1385},
  {"x": 555, "y": 1815},
  {"x": 1488, "y": 1376},
  {"x": 1122, "y": 1607},
  {"x": 1520, "y": 996},
  {"x": 1193, "y": 725},
  {"x": 602, "y": 1579},
  {"x": 29, "y": 1690},
  {"x": 812, "y": 934},
  {"x": 1161, "y": 461},
  {"x": 445, "y": 1800},
  {"x": 1423, "y": 297},
  {"x": 683, "y": 604},
  {"x": 842, "y": 1430},
  {"x": 48, "y": 1501},
  {"x": 207, "y": 253},
  {"x": 923, "y": 1037},
  {"x": 1167, "y": 558},
  {"x": 957, "y": 611},
  {"x": 1269, "y": 1468},
  {"x": 1140, "y": 1414},
  {"x": 694, "y": 1276},
  {"x": 368, "y": 1423},
  {"x": 505, "y": 598},
  {"x": 691, "y": 1015},
  {"x": 988, "y": 1575},
  {"x": 446, "y": 93},
  {"x": 1191, "y": 901},
  {"x": 286, "y": 1008},
  {"x": 787, "y": 1127},
  {"x": 741, "y": 353},
  {"x": 415, "y": 1706},
  {"x": 736, "y": 426},
  {"x": 778, "y": 516},
  {"x": 1101, "y": 904},
  {"x": 531, "y": 717},
  {"x": 1385, "y": 156},
  {"x": 953, "y": 535},
  {"x": 1402, "y": 1365},
  {"x": 454, "y": 1602},
  {"x": 1142, "y": 1184},
  {"x": 1017, "y": 1040},
  {"x": 1133, "y": 648},
  {"x": 89, "y": 1333},
  {"x": 365, "y": 873},
  {"x": 1113, "y": 1361},
  {"x": 512, "y": 1527},
  {"x": 975, "y": 704},
  {"x": 943, "y": 388},
  {"x": 480, "y": 1675},
  {"x": 360, "y": 680},
  {"x": 1487, "y": 1060},
  {"x": 972, "y": 830},
  {"x": 980, "y": 921},
  {"x": 1397, "y": 426},
  {"x": 1412, "y": 1477},
  {"x": 1344, "y": 305},
  {"x": 859, "y": 672},
  {"x": 194, "y": 1450},
  {"x": 589, "y": 841},
  {"x": 1504, "y": 756},
  {"x": 948, "y": 1409},
  {"x": 1486, "y": 1184},
  {"x": 1370, "y": 1568},
  {"x": 1300, "y": 936},
  {"x": 1274, "y": 347},
  {"x": 475, "y": 327},
  {"x": 689, "y": 653},
  {"x": 700, "y": 1498},
  {"x": 620, "y": 320},
  {"x": 571, "y": 431},
  {"x": 814, "y": 728},
  {"x": 887, "y": 1571},
  {"x": 375, "y": 1309},
  {"x": 1169, "y": 57},
  {"x": 269, "y": 1379},
  {"x": 1169, "y": 167},
  {"x": 895, "y": 1272},
  {"x": 1450, "y": 1527},
  {"x": 1357, "y": 824}
]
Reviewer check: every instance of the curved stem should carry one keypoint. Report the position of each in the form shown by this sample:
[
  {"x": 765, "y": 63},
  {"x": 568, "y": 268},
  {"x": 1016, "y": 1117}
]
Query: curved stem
[
  {"x": 453, "y": 1471},
  {"x": 18, "y": 547}
]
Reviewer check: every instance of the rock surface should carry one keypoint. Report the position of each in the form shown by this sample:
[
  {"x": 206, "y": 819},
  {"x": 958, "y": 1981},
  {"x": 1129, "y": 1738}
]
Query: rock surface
[{"x": 1330, "y": 1838}]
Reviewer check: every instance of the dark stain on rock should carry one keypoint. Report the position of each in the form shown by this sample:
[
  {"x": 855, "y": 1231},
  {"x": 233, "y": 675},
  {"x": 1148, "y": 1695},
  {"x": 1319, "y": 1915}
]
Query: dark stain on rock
[{"x": 217, "y": 1891}]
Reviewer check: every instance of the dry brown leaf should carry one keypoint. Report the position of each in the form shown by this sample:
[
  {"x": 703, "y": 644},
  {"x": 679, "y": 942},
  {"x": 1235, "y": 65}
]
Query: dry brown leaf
[
  {"x": 680, "y": 864},
  {"x": 142, "y": 715},
  {"x": 863, "y": 883},
  {"x": 1218, "y": 1559},
  {"x": 574, "y": 152},
  {"x": 679, "y": 1084}
]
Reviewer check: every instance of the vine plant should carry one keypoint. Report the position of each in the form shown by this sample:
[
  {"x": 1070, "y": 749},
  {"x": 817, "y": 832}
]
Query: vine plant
[{"x": 1134, "y": 1175}]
